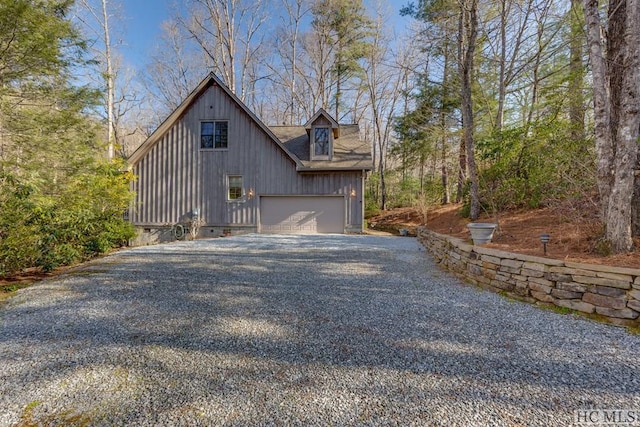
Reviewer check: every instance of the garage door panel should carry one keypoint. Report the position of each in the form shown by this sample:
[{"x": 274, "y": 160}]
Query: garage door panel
[{"x": 313, "y": 214}]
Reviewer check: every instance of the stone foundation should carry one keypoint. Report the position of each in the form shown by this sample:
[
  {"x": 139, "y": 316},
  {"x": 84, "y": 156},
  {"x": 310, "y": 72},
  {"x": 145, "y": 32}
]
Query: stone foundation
[
  {"x": 610, "y": 292},
  {"x": 151, "y": 235}
]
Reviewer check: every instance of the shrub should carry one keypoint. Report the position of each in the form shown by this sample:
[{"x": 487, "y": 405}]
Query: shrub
[
  {"x": 84, "y": 220},
  {"x": 18, "y": 233}
]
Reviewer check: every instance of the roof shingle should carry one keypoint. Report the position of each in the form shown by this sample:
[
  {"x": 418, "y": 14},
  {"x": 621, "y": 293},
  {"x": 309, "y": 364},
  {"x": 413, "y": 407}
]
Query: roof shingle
[{"x": 349, "y": 152}]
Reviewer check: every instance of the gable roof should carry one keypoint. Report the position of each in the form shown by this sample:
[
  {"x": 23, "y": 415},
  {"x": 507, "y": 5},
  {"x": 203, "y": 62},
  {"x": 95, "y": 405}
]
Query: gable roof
[
  {"x": 165, "y": 126},
  {"x": 349, "y": 152},
  {"x": 321, "y": 112}
]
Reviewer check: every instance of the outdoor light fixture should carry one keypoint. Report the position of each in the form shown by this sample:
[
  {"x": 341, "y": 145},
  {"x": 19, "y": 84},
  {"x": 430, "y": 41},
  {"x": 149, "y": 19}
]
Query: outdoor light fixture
[
  {"x": 250, "y": 193},
  {"x": 195, "y": 213},
  {"x": 544, "y": 238},
  {"x": 353, "y": 192}
]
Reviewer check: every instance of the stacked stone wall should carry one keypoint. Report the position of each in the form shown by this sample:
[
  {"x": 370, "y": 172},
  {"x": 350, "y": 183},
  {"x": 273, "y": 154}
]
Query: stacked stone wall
[{"x": 610, "y": 292}]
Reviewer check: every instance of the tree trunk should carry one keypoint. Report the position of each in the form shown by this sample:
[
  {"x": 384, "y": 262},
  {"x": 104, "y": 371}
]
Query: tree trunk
[
  {"x": 374, "y": 153},
  {"x": 602, "y": 106},
  {"x": 576, "y": 70},
  {"x": 502, "y": 89},
  {"x": 468, "y": 28},
  {"x": 635, "y": 201},
  {"x": 615, "y": 54},
  {"x": 446, "y": 198},
  {"x": 383, "y": 184},
  {"x": 462, "y": 171},
  {"x": 110, "y": 81},
  {"x": 338, "y": 86},
  {"x": 617, "y": 114},
  {"x": 628, "y": 126},
  {"x": 294, "y": 64}
]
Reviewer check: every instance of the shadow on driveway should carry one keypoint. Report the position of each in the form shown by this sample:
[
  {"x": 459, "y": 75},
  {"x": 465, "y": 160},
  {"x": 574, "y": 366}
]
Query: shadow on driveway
[{"x": 298, "y": 330}]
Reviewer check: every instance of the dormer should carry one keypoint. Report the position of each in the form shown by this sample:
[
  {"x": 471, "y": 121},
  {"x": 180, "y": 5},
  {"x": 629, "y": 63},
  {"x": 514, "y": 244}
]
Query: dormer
[{"x": 322, "y": 130}]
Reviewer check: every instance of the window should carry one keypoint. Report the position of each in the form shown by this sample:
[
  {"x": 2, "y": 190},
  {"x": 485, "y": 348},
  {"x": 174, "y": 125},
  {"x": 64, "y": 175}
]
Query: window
[
  {"x": 321, "y": 141},
  {"x": 214, "y": 134},
  {"x": 235, "y": 187}
]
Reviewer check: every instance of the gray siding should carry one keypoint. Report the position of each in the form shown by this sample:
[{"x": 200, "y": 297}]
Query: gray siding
[{"x": 175, "y": 176}]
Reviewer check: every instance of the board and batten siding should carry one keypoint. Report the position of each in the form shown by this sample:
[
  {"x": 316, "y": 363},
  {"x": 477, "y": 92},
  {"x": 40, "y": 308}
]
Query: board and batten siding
[{"x": 175, "y": 176}]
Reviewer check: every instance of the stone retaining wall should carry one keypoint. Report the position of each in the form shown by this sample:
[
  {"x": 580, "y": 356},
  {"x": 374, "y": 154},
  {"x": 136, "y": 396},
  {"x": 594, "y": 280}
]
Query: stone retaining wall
[{"x": 611, "y": 292}]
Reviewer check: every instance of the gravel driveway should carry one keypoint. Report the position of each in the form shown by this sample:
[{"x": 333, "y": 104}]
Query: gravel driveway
[{"x": 298, "y": 330}]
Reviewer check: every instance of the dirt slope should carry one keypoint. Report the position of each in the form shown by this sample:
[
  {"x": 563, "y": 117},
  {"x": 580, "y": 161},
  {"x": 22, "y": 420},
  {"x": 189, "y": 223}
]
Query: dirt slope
[{"x": 574, "y": 234}]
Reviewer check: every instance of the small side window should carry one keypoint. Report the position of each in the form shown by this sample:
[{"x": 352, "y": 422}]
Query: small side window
[{"x": 235, "y": 187}]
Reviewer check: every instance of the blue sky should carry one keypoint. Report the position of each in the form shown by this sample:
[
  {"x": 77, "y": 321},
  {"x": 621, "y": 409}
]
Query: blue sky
[
  {"x": 142, "y": 20},
  {"x": 142, "y": 25}
]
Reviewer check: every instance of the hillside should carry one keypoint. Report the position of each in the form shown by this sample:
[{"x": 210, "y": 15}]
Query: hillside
[{"x": 574, "y": 236}]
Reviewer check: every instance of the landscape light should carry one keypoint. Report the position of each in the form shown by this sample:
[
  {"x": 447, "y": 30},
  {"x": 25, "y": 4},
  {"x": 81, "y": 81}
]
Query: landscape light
[{"x": 544, "y": 238}]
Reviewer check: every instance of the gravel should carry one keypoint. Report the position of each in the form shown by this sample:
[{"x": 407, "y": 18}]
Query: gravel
[{"x": 298, "y": 330}]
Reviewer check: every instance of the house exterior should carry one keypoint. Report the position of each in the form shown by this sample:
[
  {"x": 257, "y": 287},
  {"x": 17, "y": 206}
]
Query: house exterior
[{"x": 213, "y": 160}]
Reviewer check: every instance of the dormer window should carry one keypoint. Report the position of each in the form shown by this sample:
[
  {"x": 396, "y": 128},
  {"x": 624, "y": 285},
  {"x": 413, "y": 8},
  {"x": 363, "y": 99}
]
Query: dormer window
[
  {"x": 323, "y": 130},
  {"x": 321, "y": 142}
]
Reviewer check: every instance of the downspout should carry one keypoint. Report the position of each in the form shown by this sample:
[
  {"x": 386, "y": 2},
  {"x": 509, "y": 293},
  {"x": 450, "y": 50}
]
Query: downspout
[{"x": 364, "y": 172}]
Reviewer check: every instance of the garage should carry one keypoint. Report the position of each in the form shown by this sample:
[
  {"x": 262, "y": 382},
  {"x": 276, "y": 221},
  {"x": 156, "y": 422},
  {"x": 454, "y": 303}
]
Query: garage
[{"x": 302, "y": 214}]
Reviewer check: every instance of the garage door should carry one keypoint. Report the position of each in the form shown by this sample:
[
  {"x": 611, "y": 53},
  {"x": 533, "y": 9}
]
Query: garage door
[{"x": 296, "y": 214}]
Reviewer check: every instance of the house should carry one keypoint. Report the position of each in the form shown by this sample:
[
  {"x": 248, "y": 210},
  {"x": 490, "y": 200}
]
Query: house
[{"x": 212, "y": 159}]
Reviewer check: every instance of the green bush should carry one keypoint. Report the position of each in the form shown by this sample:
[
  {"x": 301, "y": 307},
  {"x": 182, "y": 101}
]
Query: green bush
[
  {"x": 83, "y": 221},
  {"x": 371, "y": 207},
  {"x": 531, "y": 171},
  {"x": 18, "y": 232}
]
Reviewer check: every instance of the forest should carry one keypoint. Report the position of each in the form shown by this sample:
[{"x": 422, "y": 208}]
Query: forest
[{"x": 497, "y": 105}]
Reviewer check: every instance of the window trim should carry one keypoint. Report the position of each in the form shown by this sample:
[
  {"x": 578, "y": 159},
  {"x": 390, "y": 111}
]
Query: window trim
[
  {"x": 241, "y": 197},
  {"x": 312, "y": 148},
  {"x": 215, "y": 122}
]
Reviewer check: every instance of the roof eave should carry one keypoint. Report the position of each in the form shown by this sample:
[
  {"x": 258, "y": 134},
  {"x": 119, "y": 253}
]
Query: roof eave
[
  {"x": 307, "y": 169},
  {"x": 146, "y": 146}
]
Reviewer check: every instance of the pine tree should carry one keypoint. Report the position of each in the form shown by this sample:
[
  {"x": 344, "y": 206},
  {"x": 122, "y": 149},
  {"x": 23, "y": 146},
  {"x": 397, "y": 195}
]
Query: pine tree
[
  {"x": 61, "y": 202},
  {"x": 344, "y": 25}
]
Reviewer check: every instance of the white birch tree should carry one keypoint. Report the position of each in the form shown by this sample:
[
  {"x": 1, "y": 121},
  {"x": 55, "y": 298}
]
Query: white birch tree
[{"x": 96, "y": 18}]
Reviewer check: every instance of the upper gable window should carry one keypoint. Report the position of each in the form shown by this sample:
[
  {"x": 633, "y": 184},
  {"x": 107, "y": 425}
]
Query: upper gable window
[
  {"x": 214, "y": 134},
  {"x": 321, "y": 141}
]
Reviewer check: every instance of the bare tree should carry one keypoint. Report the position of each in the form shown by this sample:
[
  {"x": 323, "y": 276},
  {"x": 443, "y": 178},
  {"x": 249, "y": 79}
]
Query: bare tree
[
  {"x": 228, "y": 32},
  {"x": 285, "y": 72},
  {"x": 577, "y": 72},
  {"x": 467, "y": 35},
  {"x": 444, "y": 101},
  {"x": 127, "y": 120},
  {"x": 295, "y": 12},
  {"x": 99, "y": 20},
  {"x": 508, "y": 47},
  {"x": 317, "y": 78},
  {"x": 97, "y": 23},
  {"x": 173, "y": 71},
  {"x": 386, "y": 77}
]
